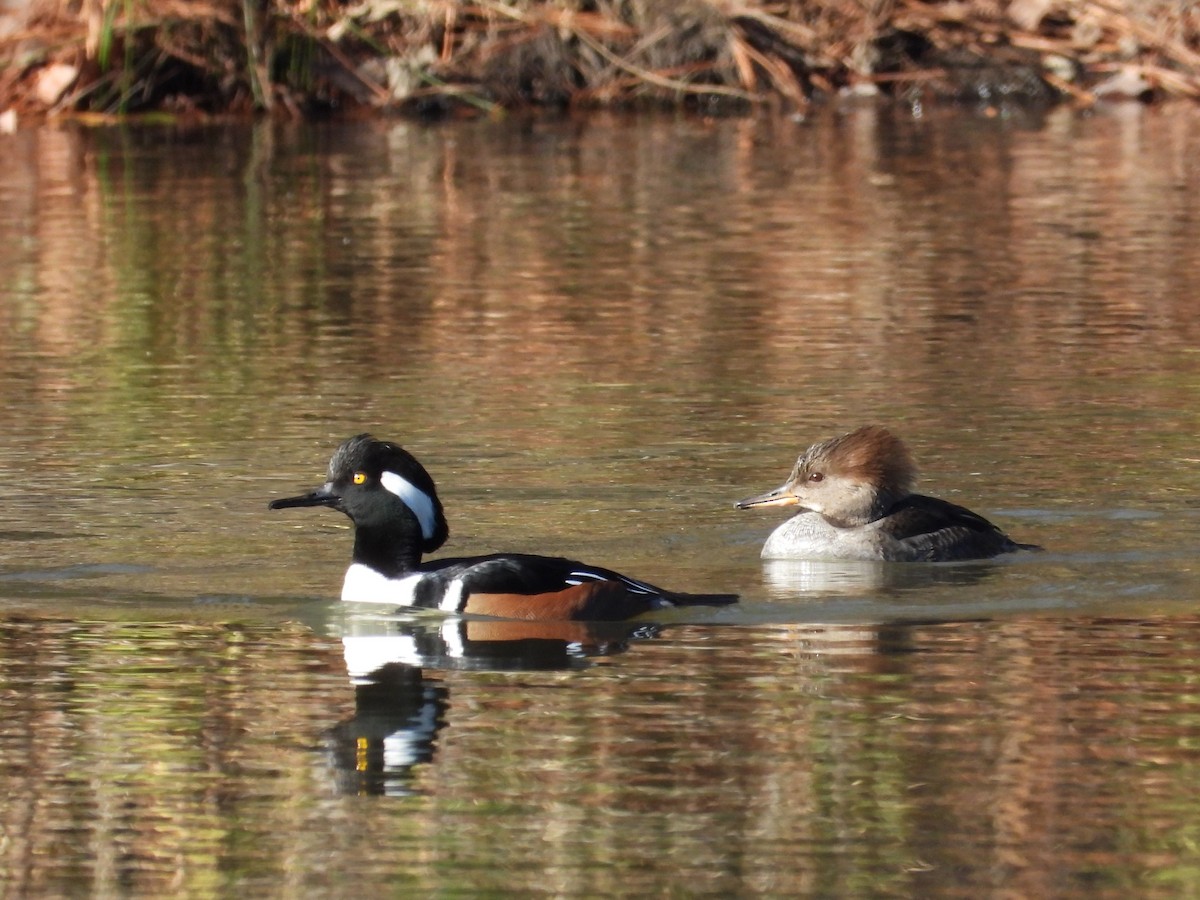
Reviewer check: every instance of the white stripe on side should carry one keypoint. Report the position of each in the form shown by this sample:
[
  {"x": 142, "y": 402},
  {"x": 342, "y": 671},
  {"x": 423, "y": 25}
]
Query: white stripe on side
[
  {"x": 637, "y": 587},
  {"x": 583, "y": 573},
  {"x": 414, "y": 498},
  {"x": 453, "y": 598}
]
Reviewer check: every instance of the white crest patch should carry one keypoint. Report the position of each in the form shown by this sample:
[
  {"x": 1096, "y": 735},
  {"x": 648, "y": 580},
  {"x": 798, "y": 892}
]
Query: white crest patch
[
  {"x": 415, "y": 499},
  {"x": 409, "y": 745}
]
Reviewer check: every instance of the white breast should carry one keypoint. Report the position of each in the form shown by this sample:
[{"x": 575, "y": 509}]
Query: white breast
[
  {"x": 810, "y": 536},
  {"x": 364, "y": 585}
]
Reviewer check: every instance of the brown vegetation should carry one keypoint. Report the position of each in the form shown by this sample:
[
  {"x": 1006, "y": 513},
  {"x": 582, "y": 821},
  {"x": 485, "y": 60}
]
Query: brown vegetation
[{"x": 299, "y": 57}]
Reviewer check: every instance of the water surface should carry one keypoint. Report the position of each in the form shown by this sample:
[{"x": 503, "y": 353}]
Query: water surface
[{"x": 598, "y": 334}]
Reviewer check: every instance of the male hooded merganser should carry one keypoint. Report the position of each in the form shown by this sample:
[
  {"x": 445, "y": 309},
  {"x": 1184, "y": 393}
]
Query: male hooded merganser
[
  {"x": 397, "y": 516},
  {"x": 856, "y": 493}
]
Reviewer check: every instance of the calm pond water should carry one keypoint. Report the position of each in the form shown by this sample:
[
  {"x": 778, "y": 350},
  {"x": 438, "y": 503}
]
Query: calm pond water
[{"x": 599, "y": 333}]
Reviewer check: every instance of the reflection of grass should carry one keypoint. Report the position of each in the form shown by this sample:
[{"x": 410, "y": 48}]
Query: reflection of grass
[
  {"x": 164, "y": 755},
  {"x": 159, "y": 744}
]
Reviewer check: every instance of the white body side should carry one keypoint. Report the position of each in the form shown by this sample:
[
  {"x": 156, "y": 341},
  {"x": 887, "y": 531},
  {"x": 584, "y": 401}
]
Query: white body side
[{"x": 810, "y": 536}]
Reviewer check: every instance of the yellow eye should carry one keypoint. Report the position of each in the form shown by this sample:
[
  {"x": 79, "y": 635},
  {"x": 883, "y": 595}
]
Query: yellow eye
[{"x": 360, "y": 477}]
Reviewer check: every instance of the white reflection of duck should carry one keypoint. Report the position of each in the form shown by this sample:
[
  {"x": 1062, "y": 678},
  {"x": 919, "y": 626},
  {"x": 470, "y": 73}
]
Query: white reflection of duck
[{"x": 373, "y": 642}]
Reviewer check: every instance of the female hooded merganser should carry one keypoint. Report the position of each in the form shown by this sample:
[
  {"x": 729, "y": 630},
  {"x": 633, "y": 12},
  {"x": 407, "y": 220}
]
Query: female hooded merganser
[
  {"x": 856, "y": 492},
  {"x": 397, "y": 516}
]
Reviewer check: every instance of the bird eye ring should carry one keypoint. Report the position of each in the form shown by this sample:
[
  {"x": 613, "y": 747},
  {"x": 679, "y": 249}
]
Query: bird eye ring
[{"x": 360, "y": 477}]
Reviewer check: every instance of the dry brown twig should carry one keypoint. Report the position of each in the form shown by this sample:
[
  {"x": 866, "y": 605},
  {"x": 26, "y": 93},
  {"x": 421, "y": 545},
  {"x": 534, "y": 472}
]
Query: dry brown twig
[{"x": 683, "y": 87}]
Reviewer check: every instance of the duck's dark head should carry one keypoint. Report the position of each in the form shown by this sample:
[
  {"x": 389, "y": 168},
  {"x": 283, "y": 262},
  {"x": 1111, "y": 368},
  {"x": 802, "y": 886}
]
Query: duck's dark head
[{"x": 382, "y": 488}]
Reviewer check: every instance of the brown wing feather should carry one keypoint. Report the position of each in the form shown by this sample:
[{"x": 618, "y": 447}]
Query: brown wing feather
[{"x": 596, "y": 601}]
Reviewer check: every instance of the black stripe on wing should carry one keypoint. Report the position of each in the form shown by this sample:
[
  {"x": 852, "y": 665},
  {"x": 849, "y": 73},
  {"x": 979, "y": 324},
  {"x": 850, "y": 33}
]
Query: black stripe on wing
[{"x": 519, "y": 573}]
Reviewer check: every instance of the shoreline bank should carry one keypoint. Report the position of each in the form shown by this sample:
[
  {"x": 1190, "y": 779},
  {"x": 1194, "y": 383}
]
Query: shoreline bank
[{"x": 323, "y": 58}]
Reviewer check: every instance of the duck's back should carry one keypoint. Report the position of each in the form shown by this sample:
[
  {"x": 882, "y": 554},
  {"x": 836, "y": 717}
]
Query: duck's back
[{"x": 940, "y": 531}]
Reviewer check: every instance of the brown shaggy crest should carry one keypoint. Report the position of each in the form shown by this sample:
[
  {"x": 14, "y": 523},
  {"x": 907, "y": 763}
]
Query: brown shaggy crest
[{"x": 872, "y": 453}]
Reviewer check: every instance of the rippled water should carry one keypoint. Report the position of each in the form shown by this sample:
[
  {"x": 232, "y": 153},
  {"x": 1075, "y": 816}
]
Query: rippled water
[{"x": 598, "y": 334}]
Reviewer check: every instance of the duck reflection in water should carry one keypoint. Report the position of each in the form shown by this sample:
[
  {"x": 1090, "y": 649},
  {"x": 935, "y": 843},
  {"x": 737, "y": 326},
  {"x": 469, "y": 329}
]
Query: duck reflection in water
[
  {"x": 785, "y": 578},
  {"x": 397, "y": 716},
  {"x": 399, "y": 709}
]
